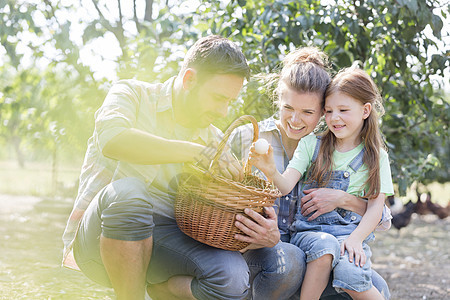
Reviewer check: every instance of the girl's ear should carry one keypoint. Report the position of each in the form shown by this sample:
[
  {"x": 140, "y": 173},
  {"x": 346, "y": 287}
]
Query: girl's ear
[
  {"x": 367, "y": 110},
  {"x": 189, "y": 78}
]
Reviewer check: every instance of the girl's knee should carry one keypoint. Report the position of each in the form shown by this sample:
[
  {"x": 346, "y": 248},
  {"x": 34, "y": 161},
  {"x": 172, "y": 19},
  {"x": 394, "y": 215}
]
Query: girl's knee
[{"x": 325, "y": 260}]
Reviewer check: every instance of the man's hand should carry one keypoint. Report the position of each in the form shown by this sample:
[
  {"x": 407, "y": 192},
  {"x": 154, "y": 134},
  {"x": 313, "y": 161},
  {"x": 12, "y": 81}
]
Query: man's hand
[
  {"x": 320, "y": 201},
  {"x": 259, "y": 231},
  {"x": 227, "y": 165}
]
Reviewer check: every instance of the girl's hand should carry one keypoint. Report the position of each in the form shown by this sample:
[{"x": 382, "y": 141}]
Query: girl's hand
[
  {"x": 264, "y": 162},
  {"x": 355, "y": 251}
]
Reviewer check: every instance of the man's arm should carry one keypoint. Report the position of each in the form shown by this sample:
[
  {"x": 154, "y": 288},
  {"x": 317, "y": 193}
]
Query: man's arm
[{"x": 139, "y": 147}]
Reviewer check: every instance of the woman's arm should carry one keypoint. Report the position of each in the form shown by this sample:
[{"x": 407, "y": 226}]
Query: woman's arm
[{"x": 323, "y": 200}]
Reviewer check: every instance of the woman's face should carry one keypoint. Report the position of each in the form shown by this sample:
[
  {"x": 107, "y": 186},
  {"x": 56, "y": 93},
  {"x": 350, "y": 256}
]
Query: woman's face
[{"x": 299, "y": 112}]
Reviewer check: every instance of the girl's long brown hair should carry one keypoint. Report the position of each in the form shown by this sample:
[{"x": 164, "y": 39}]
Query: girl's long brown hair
[{"x": 357, "y": 84}]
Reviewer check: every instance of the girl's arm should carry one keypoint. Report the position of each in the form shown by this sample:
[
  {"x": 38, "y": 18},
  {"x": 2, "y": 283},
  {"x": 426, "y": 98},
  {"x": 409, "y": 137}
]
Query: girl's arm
[
  {"x": 286, "y": 182},
  {"x": 369, "y": 221},
  {"x": 265, "y": 162}
]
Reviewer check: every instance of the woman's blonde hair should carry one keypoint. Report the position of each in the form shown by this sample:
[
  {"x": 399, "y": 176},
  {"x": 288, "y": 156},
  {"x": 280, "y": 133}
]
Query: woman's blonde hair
[
  {"x": 357, "y": 84},
  {"x": 304, "y": 70}
]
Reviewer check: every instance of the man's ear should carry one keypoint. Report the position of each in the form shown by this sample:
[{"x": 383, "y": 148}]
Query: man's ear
[
  {"x": 367, "y": 110},
  {"x": 189, "y": 78}
]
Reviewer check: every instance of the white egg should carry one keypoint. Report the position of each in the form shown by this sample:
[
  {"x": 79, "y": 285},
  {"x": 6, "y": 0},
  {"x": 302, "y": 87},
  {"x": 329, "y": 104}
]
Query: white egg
[{"x": 261, "y": 146}]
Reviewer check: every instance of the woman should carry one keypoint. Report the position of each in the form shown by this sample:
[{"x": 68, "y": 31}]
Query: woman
[{"x": 277, "y": 271}]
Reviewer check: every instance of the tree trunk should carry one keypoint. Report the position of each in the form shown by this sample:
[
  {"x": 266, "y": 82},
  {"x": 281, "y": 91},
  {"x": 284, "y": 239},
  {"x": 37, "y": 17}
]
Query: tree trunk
[
  {"x": 19, "y": 155},
  {"x": 54, "y": 171},
  {"x": 148, "y": 10}
]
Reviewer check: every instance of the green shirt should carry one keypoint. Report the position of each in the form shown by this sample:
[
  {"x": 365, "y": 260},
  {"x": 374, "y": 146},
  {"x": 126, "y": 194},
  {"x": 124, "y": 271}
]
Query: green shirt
[{"x": 301, "y": 161}]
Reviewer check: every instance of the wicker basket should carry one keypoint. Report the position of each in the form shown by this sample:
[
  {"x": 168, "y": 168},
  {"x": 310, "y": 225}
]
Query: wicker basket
[{"x": 207, "y": 204}]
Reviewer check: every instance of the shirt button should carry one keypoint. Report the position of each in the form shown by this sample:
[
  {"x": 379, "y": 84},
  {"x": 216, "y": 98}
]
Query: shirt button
[
  {"x": 284, "y": 220},
  {"x": 346, "y": 174},
  {"x": 353, "y": 218},
  {"x": 287, "y": 198}
]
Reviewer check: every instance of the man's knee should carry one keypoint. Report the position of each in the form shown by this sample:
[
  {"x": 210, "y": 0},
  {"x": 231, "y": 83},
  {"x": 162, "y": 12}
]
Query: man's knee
[
  {"x": 125, "y": 210},
  {"x": 380, "y": 284},
  {"x": 349, "y": 276},
  {"x": 228, "y": 279},
  {"x": 287, "y": 260}
]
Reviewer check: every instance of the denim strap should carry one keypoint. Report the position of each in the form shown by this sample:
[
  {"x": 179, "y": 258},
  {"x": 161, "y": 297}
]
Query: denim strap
[
  {"x": 316, "y": 150},
  {"x": 357, "y": 162}
]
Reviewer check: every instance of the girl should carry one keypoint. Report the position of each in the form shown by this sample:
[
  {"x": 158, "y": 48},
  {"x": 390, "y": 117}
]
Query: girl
[{"x": 349, "y": 157}]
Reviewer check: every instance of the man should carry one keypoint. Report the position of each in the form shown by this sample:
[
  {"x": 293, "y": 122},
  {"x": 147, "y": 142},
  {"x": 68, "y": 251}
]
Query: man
[{"x": 124, "y": 209}]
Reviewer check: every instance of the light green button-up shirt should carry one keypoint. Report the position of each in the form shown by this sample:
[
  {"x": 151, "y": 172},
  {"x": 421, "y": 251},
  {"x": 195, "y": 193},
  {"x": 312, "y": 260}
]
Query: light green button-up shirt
[{"x": 140, "y": 105}]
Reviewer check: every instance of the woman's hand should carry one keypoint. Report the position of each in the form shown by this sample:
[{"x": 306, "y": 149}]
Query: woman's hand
[
  {"x": 264, "y": 162},
  {"x": 259, "y": 231},
  {"x": 355, "y": 250},
  {"x": 321, "y": 201}
]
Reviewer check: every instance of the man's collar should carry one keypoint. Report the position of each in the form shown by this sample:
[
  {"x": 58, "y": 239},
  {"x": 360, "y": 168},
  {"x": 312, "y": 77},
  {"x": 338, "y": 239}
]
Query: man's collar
[{"x": 165, "y": 99}]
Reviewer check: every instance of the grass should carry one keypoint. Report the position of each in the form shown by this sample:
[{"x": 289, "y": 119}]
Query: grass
[
  {"x": 36, "y": 178},
  {"x": 31, "y": 247}
]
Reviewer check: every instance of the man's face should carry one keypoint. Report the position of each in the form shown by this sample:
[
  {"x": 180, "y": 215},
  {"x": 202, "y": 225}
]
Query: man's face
[{"x": 208, "y": 100}]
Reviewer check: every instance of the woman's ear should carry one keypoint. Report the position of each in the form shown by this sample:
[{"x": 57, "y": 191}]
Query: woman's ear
[
  {"x": 367, "y": 110},
  {"x": 189, "y": 78}
]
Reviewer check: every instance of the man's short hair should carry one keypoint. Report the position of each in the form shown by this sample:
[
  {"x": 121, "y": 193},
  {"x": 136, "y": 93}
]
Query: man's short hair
[{"x": 216, "y": 55}]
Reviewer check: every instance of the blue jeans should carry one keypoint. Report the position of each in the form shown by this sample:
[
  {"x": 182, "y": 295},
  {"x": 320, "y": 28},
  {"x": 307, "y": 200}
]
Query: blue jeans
[
  {"x": 123, "y": 210},
  {"x": 218, "y": 274},
  {"x": 346, "y": 275},
  {"x": 275, "y": 273}
]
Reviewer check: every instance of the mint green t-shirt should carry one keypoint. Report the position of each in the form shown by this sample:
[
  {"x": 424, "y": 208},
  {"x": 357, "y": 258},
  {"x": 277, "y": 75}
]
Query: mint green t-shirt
[{"x": 301, "y": 161}]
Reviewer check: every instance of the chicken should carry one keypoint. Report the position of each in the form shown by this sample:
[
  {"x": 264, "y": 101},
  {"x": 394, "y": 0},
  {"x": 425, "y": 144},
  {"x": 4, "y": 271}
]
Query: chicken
[
  {"x": 403, "y": 218},
  {"x": 395, "y": 204},
  {"x": 420, "y": 207},
  {"x": 435, "y": 208}
]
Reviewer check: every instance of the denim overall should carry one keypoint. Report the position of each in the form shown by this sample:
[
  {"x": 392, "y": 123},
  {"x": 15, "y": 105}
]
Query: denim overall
[
  {"x": 324, "y": 234},
  {"x": 339, "y": 221}
]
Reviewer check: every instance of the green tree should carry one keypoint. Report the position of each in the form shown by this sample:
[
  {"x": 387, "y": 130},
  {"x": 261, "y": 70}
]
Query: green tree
[{"x": 386, "y": 38}]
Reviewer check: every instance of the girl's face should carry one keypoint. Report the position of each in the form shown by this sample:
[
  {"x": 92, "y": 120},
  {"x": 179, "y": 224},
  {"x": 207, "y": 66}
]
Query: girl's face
[
  {"x": 345, "y": 117},
  {"x": 299, "y": 112}
]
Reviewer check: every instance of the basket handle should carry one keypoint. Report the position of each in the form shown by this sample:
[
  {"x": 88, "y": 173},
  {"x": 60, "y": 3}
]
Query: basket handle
[{"x": 238, "y": 122}]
